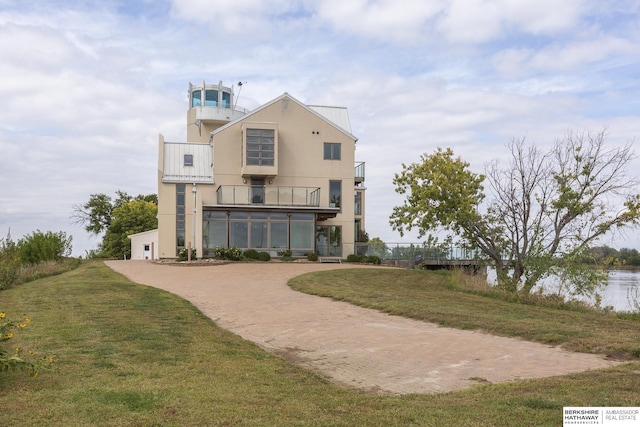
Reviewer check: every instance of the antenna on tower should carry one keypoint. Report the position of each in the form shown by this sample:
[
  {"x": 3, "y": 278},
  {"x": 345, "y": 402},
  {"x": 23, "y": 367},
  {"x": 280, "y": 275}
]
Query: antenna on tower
[{"x": 239, "y": 90}]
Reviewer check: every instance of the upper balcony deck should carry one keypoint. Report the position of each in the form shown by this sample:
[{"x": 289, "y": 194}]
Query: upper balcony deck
[
  {"x": 214, "y": 114},
  {"x": 268, "y": 195},
  {"x": 214, "y": 103},
  {"x": 358, "y": 174}
]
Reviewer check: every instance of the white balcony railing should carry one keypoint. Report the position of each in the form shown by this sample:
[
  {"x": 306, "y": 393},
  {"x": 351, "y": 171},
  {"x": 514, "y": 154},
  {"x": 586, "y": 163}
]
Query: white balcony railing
[{"x": 219, "y": 113}]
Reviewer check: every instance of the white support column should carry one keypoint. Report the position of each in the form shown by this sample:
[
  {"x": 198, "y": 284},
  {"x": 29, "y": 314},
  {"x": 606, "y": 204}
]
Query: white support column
[{"x": 194, "y": 190}]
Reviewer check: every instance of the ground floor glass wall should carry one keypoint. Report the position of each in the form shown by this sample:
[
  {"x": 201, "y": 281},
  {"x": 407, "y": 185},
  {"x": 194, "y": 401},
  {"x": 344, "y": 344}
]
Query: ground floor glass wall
[
  {"x": 271, "y": 232},
  {"x": 329, "y": 240}
]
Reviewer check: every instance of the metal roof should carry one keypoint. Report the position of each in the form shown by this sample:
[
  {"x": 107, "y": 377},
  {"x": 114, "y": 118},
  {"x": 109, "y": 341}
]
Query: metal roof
[
  {"x": 337, "y": 115},
  {"x": 175, "y": 170}
]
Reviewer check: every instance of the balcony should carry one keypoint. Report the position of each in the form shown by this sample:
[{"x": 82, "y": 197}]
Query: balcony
[
  {"x": 214, "y": 114},
  {"x": 359, "y": 173},
  {"x": 258, "y": 195},
  {"x": 214, "y": 103}
]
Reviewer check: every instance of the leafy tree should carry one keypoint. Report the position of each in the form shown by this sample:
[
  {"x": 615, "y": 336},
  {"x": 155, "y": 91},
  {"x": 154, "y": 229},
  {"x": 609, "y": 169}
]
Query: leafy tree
[
  {"x": 629, "y": 256},
  {"x": 606, "y": 256},
  {"x": 547, "y": 208},
  {"x": 362, "y": 236},
  {"x": 96, "y": 215},
  {"x": 103, "y": 214},
  {"x": 133, "y": 217},
  {"x": 39, "y": 247},
  {"x": 601, "y": 255},
  {"x": 377, "y": 247}
]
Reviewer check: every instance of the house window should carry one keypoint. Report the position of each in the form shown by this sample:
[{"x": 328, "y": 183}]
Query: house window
[
  {"x": 188, "y": 159},
  {"x": 279, "y": 232},
  {"x": 180, "y": 216},
  {"x": 301, "y": 235},
  {"x": 259, "y": 233},
  {"x": 335, "y": 194},
  {"x": 357, "y": 206},
  {"x": 331, "y": 151},
  {"x": 260, "y": 147},
  {"x": 266, "y": 231},
  {"x": 329, "y": 240},
  {"x": 257, "y": 190},
  {"x": 239, "y": 230},
  {"x": 215, "y": 228}
]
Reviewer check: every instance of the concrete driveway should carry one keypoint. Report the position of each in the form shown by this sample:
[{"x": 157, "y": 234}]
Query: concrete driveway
[{"x": 354, "y": 346}]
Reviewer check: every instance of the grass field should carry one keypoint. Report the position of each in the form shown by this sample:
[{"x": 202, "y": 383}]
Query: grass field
[
  {"x": 442, "y": 297},
  {"x": 130, "y": 355}
]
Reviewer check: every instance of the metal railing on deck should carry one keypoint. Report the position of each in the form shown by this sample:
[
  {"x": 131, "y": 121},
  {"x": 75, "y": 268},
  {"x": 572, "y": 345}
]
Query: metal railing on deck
[
  {"x": 268, "y": 195},
  {"x": 415, "y": 251},
  {"x": 359, "y": 172}
]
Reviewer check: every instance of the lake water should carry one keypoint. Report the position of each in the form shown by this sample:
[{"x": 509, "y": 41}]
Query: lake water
[{"x": 623, "y": 285}]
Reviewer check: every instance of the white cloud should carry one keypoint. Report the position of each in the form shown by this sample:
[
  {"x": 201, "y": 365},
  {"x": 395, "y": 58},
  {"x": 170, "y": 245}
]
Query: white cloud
[
  {"x": 33, "y": 47},
  {"x": 385, "y": 20},
  {"x": 253, "y": 18},
  {"x": 583, "y": 53},
  {"x": 471, "y": 21},
  {"x": 543, "y": 17},
  {"x": 480, "y": 21},
  {"x": 458, "y": 21},
  {"x": 566, "y": 57},
  {"x": 86, "y": 91}
]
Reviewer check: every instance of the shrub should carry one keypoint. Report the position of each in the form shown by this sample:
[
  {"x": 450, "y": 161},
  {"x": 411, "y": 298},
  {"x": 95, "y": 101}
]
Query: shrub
[
  {"x": 9, "y": 263},
  {"x": 95, "y": 254},
  {"x": 364, "y": 259},
  {"x": 8, "y": 273},
  {"x": 232, "y": 254},
  {"x": 312, "y": 256},
  {"x": 39, "y": 247},
  {"x": 183, "y": 254},
  {"x": 13, "y": 272},
  {"x": 355, "y": 258},
  {"x": 286, "y": 255},
  {"x": 373, "y": 259},
  {"x": 264, "y": 256},
  {"x": 251, "y": 254},
  {"x": 27, "y": 273}
]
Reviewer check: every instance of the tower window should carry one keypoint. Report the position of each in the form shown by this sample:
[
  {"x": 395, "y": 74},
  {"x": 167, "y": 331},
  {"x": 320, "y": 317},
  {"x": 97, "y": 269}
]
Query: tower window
[
  {"x": 226, "y": 100},
  {"x": 196, "y": 98},
  {"x": 211, "y": 98}
]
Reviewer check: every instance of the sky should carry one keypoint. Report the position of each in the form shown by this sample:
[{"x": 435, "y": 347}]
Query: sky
[{"x": 87, "y": 86}]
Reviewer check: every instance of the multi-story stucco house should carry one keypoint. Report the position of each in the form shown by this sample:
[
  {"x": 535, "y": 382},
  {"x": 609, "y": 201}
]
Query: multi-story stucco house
[{"x": 282, "y": 176}]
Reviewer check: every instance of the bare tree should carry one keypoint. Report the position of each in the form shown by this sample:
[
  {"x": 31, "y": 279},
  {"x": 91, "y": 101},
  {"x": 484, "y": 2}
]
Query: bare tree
[{"x": 547, "y": 207}]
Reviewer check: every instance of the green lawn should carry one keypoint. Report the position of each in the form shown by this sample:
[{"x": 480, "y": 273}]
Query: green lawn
[
  {"x": 439, "y": 298},
  {"x": 130, "y": 355}
]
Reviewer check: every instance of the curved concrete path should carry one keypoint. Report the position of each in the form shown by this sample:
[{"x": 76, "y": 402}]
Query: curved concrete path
[{"x": 358, "y": 347}]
